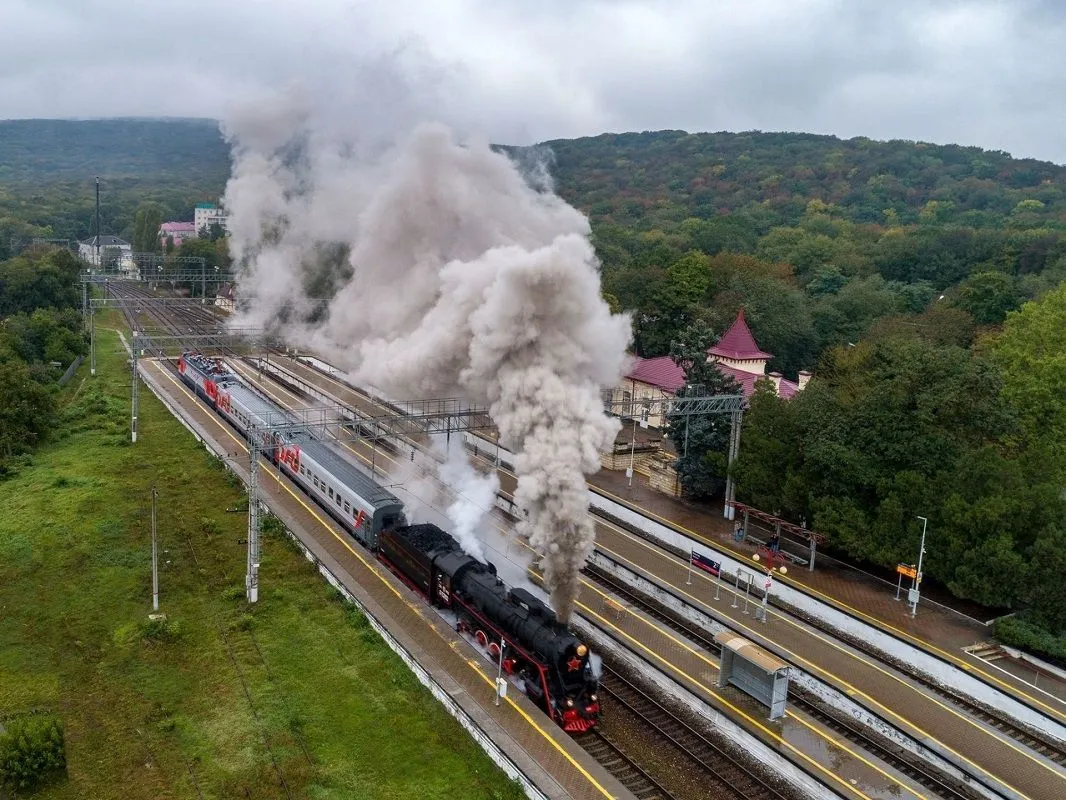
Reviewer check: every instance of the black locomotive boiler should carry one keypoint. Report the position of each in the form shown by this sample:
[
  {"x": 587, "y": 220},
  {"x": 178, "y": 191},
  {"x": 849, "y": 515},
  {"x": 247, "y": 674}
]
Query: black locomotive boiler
[{"x": 551, "y": 663}]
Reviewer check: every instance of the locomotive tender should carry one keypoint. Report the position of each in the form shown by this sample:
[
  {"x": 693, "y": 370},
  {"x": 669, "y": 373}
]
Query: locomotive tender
[{"x": 551, "y": 664}]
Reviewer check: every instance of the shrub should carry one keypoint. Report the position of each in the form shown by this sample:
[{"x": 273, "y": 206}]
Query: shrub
[
  {"x": 31, "y": 749},
  {"x": 1017, "y": 631},
  {"x": 272, "y": 526},
  {"x": 160, "y": 630}
]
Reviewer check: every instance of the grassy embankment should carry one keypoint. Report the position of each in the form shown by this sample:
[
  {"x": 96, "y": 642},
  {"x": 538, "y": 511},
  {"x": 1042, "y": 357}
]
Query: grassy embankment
[{"x": 294, "y": 697}]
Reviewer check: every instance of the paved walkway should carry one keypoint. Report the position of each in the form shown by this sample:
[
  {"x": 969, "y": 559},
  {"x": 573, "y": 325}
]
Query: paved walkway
[{"x": 938, "y": 627}]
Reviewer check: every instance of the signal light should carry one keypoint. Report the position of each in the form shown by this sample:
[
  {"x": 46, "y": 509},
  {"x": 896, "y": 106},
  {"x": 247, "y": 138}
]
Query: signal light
[{"x": 581, "y": 650}]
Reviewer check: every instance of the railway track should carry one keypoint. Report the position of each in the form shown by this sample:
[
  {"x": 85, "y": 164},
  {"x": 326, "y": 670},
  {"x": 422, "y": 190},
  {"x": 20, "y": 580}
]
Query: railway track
[
  {"x": 1048, "y": 747},
  {"x": 662, "y": 731},
  {"x": 698, "y": 752},
  {"x": 921, "y": 773},
  {"x": 1038, "y": 743},
  {"x": 176, "y": 320},
  {"x": 622, "y": 767}
]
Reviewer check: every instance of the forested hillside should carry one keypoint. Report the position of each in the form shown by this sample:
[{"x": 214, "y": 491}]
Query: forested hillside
[
  {"x": 889, "y": 269},
  {"x": 47, "y": 171},
  {"x": 835, "y": 235}
]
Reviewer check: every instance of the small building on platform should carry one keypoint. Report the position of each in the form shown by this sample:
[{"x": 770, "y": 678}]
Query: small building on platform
[{"x": 755, "y": 671}]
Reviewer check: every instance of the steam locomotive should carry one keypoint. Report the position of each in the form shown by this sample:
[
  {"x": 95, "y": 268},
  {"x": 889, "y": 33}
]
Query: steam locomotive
[{"x": 551, "y": 665}]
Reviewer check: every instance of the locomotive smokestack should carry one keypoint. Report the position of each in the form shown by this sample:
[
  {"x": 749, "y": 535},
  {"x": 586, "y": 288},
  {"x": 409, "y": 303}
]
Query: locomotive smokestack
[{"x": 461, "y": 279}]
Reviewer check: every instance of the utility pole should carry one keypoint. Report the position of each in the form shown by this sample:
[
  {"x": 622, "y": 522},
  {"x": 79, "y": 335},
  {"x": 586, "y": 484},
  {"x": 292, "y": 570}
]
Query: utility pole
[
  {"x": 92, "y": 341},
  {"x": 915, "y": 594},
  {"x": 632, "y": 446},
  {"x": 735, "y": 418},
  {"x": 97, "y": 224},
  {"x": 155, "y": 557},
  {"x": 251, "y": 581},
  {"x": 135, "y": 364}
]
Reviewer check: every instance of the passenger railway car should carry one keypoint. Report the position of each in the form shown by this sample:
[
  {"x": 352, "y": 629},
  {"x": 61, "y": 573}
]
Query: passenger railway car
[
  {"x": 552, "y": 663},
  {"x": 353, "y": 499}
]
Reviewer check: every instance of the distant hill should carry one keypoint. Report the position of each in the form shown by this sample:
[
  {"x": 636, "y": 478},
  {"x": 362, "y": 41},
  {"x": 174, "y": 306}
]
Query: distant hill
[
  {"x": 47, "y": 171},
  {"x": 48, "y": 150},
  {"x": 642, "y": 178}
]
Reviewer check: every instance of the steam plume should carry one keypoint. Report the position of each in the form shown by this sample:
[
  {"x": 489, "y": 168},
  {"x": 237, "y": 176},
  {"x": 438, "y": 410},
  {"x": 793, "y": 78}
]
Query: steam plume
[
  {"x": 474, "y": 498},
  {"x": 458, "y": 279}
]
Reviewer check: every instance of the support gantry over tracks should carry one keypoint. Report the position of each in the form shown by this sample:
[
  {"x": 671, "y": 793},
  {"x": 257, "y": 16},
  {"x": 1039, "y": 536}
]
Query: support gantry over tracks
[{"x": 644, "y": 408}]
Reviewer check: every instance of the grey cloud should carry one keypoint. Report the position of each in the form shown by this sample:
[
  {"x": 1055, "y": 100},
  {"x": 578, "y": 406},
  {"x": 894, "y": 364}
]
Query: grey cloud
[{"x": 983, "y": 72}]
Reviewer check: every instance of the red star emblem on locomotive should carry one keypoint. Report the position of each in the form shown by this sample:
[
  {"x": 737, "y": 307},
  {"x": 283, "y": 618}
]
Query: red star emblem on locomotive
[{"x": 574, "y": 664}]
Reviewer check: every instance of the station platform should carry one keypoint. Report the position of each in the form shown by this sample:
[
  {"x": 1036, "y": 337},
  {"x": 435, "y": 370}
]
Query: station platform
[
  {"x": 543, "y": 753},
  {"x": 937, "y": 628}
]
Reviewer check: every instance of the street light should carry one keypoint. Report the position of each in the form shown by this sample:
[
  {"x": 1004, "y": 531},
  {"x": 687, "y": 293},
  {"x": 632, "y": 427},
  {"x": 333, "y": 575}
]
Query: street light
[{"x": 914, "y": 593}]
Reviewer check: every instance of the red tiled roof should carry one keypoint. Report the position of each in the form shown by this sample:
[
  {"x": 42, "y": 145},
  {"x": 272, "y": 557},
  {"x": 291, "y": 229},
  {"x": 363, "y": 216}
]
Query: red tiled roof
[
  {"x": 738, "y": 343},
  {"x": 177, "y": 227},
  {"x": 662, "y": 372},
  {"x": 747, "y": 381}
]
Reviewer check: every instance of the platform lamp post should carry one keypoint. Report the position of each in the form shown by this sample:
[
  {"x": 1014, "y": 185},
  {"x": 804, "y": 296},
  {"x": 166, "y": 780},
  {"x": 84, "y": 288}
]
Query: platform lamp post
[
  {"x": 914, "y": 593},
  {"x": 632, "y": 446}
]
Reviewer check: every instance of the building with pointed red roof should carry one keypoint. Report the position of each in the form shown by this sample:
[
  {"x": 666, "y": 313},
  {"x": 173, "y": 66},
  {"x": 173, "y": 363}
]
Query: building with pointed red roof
[
  {"x": 737, "y": 348},
  {"x": 737, "y": 355}
]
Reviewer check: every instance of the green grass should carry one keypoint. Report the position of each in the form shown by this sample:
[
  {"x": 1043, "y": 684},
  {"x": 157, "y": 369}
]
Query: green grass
[{"x": 157, "y": 711}]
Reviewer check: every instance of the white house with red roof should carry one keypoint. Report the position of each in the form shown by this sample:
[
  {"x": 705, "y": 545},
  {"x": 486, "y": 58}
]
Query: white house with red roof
[{"x": 736, "y": 354}]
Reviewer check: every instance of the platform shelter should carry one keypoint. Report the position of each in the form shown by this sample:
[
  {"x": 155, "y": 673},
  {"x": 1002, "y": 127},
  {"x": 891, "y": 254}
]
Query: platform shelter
[{"x": 754, "y": 671}]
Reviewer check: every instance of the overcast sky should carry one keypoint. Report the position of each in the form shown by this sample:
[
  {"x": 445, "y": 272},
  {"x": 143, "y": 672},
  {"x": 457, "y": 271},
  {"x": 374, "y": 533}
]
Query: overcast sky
[{"x": 981, "y": 72}]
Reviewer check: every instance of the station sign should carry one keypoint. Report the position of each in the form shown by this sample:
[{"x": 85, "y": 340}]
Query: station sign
[
  {"x": 907, "y": 570},
  {"x": 700, "y": 561}
]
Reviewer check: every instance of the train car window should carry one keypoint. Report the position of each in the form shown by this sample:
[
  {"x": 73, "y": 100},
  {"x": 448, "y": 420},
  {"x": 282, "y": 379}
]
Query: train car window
[
  {"x": 330, "y": 492},
  {"x": 338, "y": 499},
  {"x": 347, "y": 507},
  {"x": 316, "y": 481}
]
